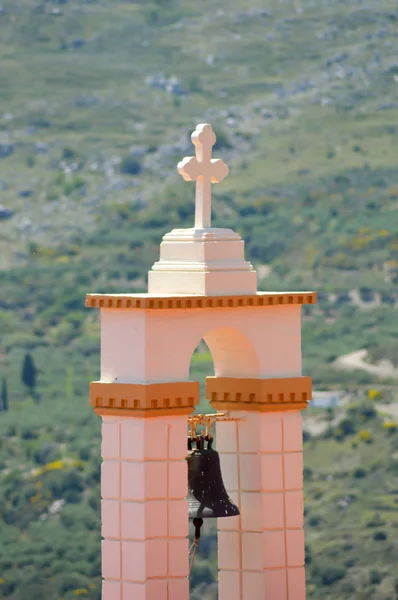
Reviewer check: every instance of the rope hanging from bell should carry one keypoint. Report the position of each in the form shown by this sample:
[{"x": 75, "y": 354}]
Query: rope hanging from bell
[{"x": 194, "y": 546}]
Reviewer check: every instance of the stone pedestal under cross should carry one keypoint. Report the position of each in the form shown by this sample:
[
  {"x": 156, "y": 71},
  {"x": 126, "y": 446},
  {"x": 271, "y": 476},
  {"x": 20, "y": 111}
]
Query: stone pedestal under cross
[{"x": 202, "y": 260}]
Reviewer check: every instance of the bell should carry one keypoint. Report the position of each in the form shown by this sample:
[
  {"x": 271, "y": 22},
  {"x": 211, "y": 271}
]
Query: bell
[{"x": 207, "y": 496}]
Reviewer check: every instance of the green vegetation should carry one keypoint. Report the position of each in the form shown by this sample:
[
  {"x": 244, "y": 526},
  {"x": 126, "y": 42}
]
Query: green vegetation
[
  {"x": 97, "y": 102},
  {"x": 351, "y": 511}
]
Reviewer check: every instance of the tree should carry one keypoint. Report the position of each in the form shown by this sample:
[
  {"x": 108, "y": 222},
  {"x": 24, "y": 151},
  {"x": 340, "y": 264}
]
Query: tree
[
  {"x": 29, "y": 373},
  {"x": 4, "y": 395},
  {"x": 130, "y": 166}
]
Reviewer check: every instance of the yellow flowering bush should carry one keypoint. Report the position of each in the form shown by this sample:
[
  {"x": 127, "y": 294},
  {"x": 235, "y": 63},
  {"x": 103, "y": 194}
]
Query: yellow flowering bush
[
  {"x": 374, "y": 394},
  {"x": 35, "y": 499},
  {"x": 365, "y": 436},
  {"x": 54, "y": 466},
  {"x": 390, "y": 426}
]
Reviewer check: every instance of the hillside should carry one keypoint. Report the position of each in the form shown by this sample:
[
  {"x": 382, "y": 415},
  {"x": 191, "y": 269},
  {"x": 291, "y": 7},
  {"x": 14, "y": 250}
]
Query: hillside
[
  {"x": 304, "y": 107},
  {"x": 97, "y": 102}
]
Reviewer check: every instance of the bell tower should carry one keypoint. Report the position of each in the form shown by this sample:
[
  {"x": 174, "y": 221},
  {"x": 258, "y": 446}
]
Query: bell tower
[{"x": 201, "y": 288}]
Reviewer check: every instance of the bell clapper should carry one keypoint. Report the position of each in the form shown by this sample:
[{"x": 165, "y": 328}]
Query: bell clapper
[{"x": 192, "y": 551}]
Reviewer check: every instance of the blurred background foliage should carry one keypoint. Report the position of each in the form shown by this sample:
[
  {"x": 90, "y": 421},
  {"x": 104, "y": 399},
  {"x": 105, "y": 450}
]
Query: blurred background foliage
[{"x": 97, "y": 103}]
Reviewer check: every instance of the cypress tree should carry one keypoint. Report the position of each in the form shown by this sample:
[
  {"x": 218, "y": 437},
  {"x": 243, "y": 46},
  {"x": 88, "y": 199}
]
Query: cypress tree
[
  {"x": 29, "y": 373},
  {"x": 4, "y": 394}
]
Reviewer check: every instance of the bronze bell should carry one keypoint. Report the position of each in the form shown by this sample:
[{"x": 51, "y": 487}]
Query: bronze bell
[{"x": 207, "y": 496}]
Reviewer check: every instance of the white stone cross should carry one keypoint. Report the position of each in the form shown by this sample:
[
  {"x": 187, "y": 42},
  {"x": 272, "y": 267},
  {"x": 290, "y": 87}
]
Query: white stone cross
[{"x": 204, "y": 170}]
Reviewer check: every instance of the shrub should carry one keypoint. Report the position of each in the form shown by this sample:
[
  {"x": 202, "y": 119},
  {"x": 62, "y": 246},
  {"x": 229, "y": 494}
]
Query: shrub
[
  {"x": 390, "y": 426},
  {"x": 380, "y": 536},
  {"x": 222, "y": 140},
  {"x": 69, "y": 153},
  {"x": 84, "y": 453},
  {"x": 331, "y": 573},
  {"x": 47, "y": 453},
  {"x": 314, "y": 520},
  {"x": 71, "y": 185},
  {"x": 130, "y": 166},
  {"x": 73, "y": 581},
  {"x": 29, "y": 434},
  {"x": 375, "y": 521},
  {"x": 308, "y": 473},
  {"x": 375, "y": 577},
  {"x": 359, "y": 473},
  {"x": 94, "y": 502},
  {"x": 347, "y": 426},
  {"x": 193, "y": 84},
  {"x": 348, "y": 588},
  {"x": 338, "y": 433},
  {"x": 365, "y": 436},
  {"x": 350, "y": 562},
  {"x": 367, "y": 412},
  {"x": 67, "y": 520}
]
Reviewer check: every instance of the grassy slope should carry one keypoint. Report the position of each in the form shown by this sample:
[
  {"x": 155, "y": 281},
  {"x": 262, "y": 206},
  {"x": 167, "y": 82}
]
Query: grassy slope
[
  {"x": 351, "y": 510},
  {"x": 313, "y": 190}
]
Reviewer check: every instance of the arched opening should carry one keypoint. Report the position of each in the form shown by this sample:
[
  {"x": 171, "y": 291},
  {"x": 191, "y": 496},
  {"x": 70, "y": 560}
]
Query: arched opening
[
  {"x": 203, "y": 578},
  {"x": 232, "y": 352},
  {"x": 223, "y": 352},
  {"x": 202, "y": 366}
]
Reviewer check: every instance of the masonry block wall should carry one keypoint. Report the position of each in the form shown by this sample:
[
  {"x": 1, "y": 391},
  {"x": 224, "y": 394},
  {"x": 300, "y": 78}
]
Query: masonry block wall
[
  {"x": 261, "y": 552},
  {"x": 144, "y": 511},
  {"x": 144, "y": 401}
]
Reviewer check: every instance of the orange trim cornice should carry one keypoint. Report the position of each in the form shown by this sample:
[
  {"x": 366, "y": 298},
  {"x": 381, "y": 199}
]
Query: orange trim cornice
[
  {"x": 263, "y": 395},
  {"x": 147, "y": 301},
  {"x": 144, "y": 400}
]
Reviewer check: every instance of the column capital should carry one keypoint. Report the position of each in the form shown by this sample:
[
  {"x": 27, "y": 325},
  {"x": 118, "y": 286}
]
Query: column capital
[
  {"x": 144, "y": 399},
  {"x": 261, "y": 395}
]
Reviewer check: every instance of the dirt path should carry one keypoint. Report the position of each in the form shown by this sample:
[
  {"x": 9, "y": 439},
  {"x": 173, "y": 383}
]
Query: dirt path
[
  {"x": 390, "y": 409},
  {"x": 356, "y": 360}
]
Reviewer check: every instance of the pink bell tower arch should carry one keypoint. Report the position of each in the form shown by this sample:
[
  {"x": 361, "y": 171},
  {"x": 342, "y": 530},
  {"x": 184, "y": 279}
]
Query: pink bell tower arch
[{"x": 202, "y": 287}]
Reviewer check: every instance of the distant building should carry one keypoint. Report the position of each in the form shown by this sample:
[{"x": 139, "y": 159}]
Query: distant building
[{"x": 326, "y": 399}]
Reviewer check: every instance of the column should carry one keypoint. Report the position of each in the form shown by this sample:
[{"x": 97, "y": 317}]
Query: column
[
  {"x": 144, "y": 511},
  {"x": 261, "y": 552}
]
